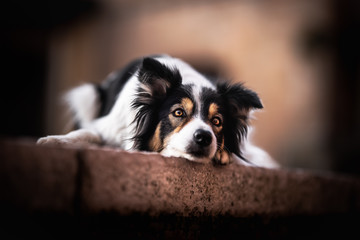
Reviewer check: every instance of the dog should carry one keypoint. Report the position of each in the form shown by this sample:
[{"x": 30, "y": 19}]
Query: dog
[{"x": 161, "y": 104}]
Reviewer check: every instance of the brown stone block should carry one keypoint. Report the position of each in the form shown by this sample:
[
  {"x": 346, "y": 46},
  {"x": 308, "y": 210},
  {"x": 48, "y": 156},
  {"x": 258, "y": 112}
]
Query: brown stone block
[
  {"x": 128, "y": 183},
  {"x": 95, "y": 180},
  {"x": 98, "y": 191},
  {"x": 37, "y": 178}
]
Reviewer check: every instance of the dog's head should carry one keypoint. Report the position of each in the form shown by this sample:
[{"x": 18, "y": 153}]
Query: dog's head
[{"x": 188, "y": 119}]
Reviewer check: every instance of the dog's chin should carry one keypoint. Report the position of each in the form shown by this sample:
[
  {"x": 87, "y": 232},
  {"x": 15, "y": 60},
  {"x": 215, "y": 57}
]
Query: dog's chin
[
  {"x": 197, "y": 159},
  {"x": 189, "y": 156}
]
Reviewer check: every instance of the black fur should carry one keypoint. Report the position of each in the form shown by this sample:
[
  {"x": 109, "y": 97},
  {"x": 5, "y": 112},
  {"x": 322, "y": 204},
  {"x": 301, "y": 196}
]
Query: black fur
[
  {"x": 209, "y": 96},
  {"x": 162, "y": 88},
  {"x": 159, "y": 82},
  {"x": 159, "y": 78},
  {"x": 164, "y": 108},
  {"x": 237, "y": 101},
  {"x": 109, "y": 90}
]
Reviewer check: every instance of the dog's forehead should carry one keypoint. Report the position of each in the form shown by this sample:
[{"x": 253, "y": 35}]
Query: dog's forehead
[
  {"x": 197, "y": 102},
  {"x": 195, "y": 86}
]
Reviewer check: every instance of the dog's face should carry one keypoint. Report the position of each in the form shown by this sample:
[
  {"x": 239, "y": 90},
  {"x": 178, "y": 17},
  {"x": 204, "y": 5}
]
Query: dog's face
[
  {"x": 194, "y": 121},
  {"x": 188, "y": 128}
]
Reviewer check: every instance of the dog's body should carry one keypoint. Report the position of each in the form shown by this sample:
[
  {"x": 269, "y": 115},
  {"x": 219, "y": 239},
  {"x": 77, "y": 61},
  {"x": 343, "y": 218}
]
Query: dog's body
[{"x": 162, "y": 104}]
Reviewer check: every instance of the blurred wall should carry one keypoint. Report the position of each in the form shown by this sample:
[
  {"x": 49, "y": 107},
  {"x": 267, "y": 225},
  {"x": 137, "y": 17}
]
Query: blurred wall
[{"x": 287, "y": 51}]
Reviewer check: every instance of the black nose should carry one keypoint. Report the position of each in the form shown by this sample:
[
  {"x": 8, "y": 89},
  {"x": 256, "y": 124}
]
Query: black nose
[{"x": 202, "y": 137}]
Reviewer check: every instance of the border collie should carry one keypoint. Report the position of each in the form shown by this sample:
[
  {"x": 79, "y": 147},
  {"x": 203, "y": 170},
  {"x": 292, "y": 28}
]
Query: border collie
[{"x": 162, "y": 104}]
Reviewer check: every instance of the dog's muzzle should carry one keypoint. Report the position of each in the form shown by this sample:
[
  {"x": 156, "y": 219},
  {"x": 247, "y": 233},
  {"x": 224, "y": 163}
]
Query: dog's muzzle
[{"x": 201, "y": 143}]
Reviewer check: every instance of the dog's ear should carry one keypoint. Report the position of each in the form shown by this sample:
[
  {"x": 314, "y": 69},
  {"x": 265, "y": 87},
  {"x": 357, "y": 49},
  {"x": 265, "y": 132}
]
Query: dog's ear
[
  {"x": 238, "y": 102},
  {"x": 157, "y": 79},
  {"x": 239, "y": 99},
  {"x": 156, "y": 82}
]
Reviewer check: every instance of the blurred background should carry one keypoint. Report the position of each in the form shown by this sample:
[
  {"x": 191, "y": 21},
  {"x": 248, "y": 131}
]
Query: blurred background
[{"x": 301, "y": 56}]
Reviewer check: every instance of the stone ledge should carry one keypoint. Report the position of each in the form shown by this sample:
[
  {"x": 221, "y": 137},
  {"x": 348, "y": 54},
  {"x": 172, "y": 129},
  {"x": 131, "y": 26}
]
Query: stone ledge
[{"x": 92, "y": 181}]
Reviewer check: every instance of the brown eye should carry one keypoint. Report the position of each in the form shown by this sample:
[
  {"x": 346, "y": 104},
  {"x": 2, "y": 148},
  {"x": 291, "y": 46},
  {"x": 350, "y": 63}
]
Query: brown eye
[
  {"x": 179, "y": 113},
  {"x": 216, "y": 121}
]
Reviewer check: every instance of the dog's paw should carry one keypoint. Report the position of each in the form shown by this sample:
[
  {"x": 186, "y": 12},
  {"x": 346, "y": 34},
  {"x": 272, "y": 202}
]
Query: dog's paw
[
  {"x": 222, "y": 157},
  {"x": 55, "y": 141},
  {"x": 81, "y": 137}
]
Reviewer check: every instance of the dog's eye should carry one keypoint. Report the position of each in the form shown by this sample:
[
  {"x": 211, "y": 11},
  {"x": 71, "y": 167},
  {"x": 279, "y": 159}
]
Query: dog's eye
[
  {"x": 216, "y": 121},
  {"x": 179, "y": 113}
]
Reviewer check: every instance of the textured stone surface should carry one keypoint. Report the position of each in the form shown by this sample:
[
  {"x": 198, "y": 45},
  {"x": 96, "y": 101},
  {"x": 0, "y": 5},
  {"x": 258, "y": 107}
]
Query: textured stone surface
[
  {"x": 37, "y": 179},
  {"x": 136, "y": 182},
  {"x": 96, "y": 190}
]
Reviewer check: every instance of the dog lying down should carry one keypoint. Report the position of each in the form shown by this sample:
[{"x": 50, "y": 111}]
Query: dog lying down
[{"x": 162, "y": 104}]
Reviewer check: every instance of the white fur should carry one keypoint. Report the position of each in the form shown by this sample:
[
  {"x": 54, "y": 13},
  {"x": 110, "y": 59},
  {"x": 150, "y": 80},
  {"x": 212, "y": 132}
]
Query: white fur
[
  {"x": 257, "y": 156},
  {"x": 77, "y": 137},
  {"x": 118, "y": 126},
  {"x": 254, "y": 154},
  {"x": 178, "y": 142},
  {"x": 84, "y": 103}
]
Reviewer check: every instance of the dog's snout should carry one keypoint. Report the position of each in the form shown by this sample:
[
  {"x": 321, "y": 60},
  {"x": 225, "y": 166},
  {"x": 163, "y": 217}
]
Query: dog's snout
[{"x": 202, "y": 137}]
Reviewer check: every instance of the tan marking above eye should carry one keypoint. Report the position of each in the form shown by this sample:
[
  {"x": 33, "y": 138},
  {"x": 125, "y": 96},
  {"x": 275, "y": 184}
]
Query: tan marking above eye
[
  {"x": 182, "y": 109},
  {"x": 213, "y": 110},
  {"x": 188, "y": 105}
]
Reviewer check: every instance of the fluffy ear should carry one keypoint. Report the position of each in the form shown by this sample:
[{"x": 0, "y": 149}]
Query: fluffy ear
[
  {"x": 156, "y": 82},
  {"x": 157, "y": 79},
  {"x": 238, "y": 101}
]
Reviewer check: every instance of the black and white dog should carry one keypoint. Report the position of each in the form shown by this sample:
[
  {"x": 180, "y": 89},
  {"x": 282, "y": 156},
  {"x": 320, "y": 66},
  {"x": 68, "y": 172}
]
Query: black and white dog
[{"x": 162, "y": 104}]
